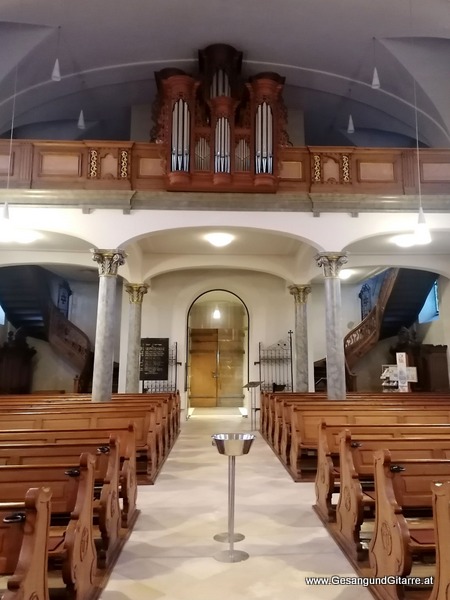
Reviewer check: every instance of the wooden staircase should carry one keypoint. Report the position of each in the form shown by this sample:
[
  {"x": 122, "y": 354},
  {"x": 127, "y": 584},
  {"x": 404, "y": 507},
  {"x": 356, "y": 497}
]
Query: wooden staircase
[
  {"x": 401, "y": 298},
  {"x": 25, "y": 296}
]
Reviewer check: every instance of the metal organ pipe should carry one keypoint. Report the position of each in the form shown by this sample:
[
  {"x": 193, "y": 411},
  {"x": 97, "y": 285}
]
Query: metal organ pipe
[
  {"x": 222, "y": 146},
  {"x": 180, "y": 136},
  {"x": 264, "y": 139}
]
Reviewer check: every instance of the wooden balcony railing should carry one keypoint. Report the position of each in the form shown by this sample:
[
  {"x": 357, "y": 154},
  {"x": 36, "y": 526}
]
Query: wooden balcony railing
[{"x": 98, "y": 165}]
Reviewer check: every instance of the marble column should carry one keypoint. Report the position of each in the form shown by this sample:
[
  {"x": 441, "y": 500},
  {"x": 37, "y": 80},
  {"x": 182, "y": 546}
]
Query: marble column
[
  {"x": 300, "y": 293},
  {"x": 108, "y": 263},
  {"x": 331, "y": 262},
  {"x": 136, "y": 293}
]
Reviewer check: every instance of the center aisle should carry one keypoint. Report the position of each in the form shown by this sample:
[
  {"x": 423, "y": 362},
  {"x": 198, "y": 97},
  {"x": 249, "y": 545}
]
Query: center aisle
[{"x": 169, "y": 555}]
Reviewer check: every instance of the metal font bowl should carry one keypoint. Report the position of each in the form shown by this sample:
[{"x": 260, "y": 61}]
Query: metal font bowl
[{"x": 233, "y": 444}]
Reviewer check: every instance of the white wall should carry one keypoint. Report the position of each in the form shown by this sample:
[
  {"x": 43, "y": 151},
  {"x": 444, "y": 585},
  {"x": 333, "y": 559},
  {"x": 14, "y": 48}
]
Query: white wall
[
  {"x": 50, "y": 371},
  {"x": 270, "y": 305}
]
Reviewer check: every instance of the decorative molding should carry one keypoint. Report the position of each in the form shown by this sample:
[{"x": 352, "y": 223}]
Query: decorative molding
[
  {"x": 136, "y": 292},
  {"x": 108, "y": 261},
  {"x": 331, "y": 262},
  {"x": 300, "y": 293}
]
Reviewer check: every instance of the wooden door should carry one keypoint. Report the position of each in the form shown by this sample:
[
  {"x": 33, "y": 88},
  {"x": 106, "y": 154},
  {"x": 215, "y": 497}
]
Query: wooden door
[
  {"x": 230, "y": 367},
  {"x": 203, "y": 378},
  {"x": 216, "y": 367}
]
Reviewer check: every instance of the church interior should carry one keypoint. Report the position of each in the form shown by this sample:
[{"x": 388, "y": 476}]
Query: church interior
[{"x": 223, "y": 219}]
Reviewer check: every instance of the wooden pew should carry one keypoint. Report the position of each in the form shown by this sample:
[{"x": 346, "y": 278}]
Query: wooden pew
[
  {"x": 24, "y": 530},
  {"x": 106, "y": 509},
  {"x": 167, "y": 407},
  {"x": 166, "y": 420},
  {"x": 97, "y": 437},
  {"x": 356, "y": 502},
  {"x": 441, "y": 519},
  {"x": 327, "y": 481},
  {"x": 305, "y": 425},
  {"x": 277, "y": 429},
  {"x": 71, "y": 546},
  {"x": 403, "y": 488},
  {"x": 97, "y": 416}
]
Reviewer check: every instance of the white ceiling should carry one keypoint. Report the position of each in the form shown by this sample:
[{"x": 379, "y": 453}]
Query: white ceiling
[
  {"x": 246, "y": 241},
  {"x": 108, "y": 53}
]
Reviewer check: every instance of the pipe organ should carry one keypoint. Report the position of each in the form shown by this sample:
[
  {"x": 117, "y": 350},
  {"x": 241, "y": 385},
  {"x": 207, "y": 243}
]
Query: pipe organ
[{"x": 216, "y": 131}]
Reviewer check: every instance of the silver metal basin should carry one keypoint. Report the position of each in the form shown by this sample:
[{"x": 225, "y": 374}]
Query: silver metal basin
[{"x": 233, "y": 444}]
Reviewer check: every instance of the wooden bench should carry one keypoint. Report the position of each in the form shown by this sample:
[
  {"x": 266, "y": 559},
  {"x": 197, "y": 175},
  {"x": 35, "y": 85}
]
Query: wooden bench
[
  {"x": 441, "y": 518},
  {"x": 106, "y": 509},
  {"x": 327, "y": 481},
  {"x": 24, "y": 533},
  {"x": 402, "y": 489},
  {"x": 305, "y": 426},
  {"x": 167, "y": 408},
  {"x": 356, "y": 504},
  {"x": 97, "y": 416},
  {"x": 97, "y": 437},
  {"x": 71, "y": 548},
  {"x": 277, "y": 429}
]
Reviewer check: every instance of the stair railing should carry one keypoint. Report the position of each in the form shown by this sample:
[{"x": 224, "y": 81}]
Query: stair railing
[
  {"x": 366, "y": 334},
  {"x": 73, "y": 344}
]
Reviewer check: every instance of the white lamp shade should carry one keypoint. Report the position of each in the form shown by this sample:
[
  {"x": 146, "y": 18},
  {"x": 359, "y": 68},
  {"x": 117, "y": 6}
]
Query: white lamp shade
[
  {"x": 375, "y": 80},
  {"x": 81, "y": 124},
  {"x": 422, "y": 233},
  {"x": 56, "y": 73},
  {"x": 350, "y": 126}
]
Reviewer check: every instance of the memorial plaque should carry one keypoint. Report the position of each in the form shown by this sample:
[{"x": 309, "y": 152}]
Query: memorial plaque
[{"x": 154, "y": 359}]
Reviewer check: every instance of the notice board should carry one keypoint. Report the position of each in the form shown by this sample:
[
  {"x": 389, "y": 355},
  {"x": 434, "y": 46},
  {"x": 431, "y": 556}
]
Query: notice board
[{"x": 154, "y": 359}]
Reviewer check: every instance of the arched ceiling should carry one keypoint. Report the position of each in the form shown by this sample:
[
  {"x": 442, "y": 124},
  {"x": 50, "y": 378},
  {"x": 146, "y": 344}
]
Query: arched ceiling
[{"x": 108, "y": 53}]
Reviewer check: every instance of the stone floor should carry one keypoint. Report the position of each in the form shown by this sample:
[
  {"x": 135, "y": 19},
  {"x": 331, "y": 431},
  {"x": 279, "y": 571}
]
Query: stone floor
[{"x": 170, "y": 553}]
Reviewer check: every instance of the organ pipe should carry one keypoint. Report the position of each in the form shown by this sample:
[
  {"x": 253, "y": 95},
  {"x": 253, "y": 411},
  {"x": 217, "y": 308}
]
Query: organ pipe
[
  {"x": 180, "y": 136},
  {"x": 222, "y": 146},
  {"x": 264, "y": 139}
]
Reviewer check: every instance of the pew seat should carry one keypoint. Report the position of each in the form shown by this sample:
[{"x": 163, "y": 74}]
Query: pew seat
[{"x": 71, "y": 547}]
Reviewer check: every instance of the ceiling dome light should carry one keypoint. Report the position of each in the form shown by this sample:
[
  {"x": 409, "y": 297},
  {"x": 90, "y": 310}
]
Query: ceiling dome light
[
  {"x": 405, "y": 240},
  {"x": 219, "y": 239},
  {"x": 346, "y": 274}
]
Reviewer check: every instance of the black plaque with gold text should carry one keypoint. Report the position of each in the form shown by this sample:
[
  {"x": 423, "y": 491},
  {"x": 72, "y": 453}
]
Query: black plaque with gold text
[{"x": 154, "y": 359}]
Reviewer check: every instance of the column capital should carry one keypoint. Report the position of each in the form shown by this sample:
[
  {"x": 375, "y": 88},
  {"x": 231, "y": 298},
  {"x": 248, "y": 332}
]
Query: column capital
[
  {"x": 300, "y": 292},
  {"x": 108, "y": 261},
  {"x": 331, "y": 262},
  {"x": 136, "y": 292}
]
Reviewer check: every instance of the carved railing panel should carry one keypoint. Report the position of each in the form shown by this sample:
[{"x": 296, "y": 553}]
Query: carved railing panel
[
  {"x": 322, "y": 172},
  {"x": 68, "y": 339},
  {"x": 365, "y": 335}
]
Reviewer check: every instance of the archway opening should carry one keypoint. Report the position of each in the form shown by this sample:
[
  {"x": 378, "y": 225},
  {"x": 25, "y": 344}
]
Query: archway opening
[{"x": 217, "y": 345}]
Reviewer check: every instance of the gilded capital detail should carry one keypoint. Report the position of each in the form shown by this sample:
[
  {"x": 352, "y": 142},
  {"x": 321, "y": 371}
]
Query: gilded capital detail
[
  {"x": 108, "y": 261},
  {"x": 331, "y": 262},
  {"x": 300, "y": 293},
  {"x": 136, "y": 292}
]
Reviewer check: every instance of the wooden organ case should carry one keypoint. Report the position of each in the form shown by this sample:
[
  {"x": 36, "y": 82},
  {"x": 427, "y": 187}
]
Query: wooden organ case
[{"x": 217, "y": 132}]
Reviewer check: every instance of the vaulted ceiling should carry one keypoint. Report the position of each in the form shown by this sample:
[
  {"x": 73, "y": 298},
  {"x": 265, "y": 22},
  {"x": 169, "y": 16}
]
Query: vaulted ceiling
[{"x": 108, "y": 53}]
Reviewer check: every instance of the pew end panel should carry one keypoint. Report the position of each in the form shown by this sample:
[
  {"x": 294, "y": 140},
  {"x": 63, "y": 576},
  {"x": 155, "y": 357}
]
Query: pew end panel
[
  {"x": 28, "y": 526},
  {"x": 350, "y": 506},
  {"x": 441, "y": 515},
  {"x": 80, "y": 565},
  {"x": 327, "y": 477}
]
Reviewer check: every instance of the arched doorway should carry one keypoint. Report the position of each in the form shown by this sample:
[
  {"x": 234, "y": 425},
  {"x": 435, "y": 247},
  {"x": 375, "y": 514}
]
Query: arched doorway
[{"x": 217, "y": 350}]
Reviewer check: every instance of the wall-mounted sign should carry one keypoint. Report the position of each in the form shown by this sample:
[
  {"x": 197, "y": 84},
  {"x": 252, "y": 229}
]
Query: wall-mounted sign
[{"x": 154, "y": 359}]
